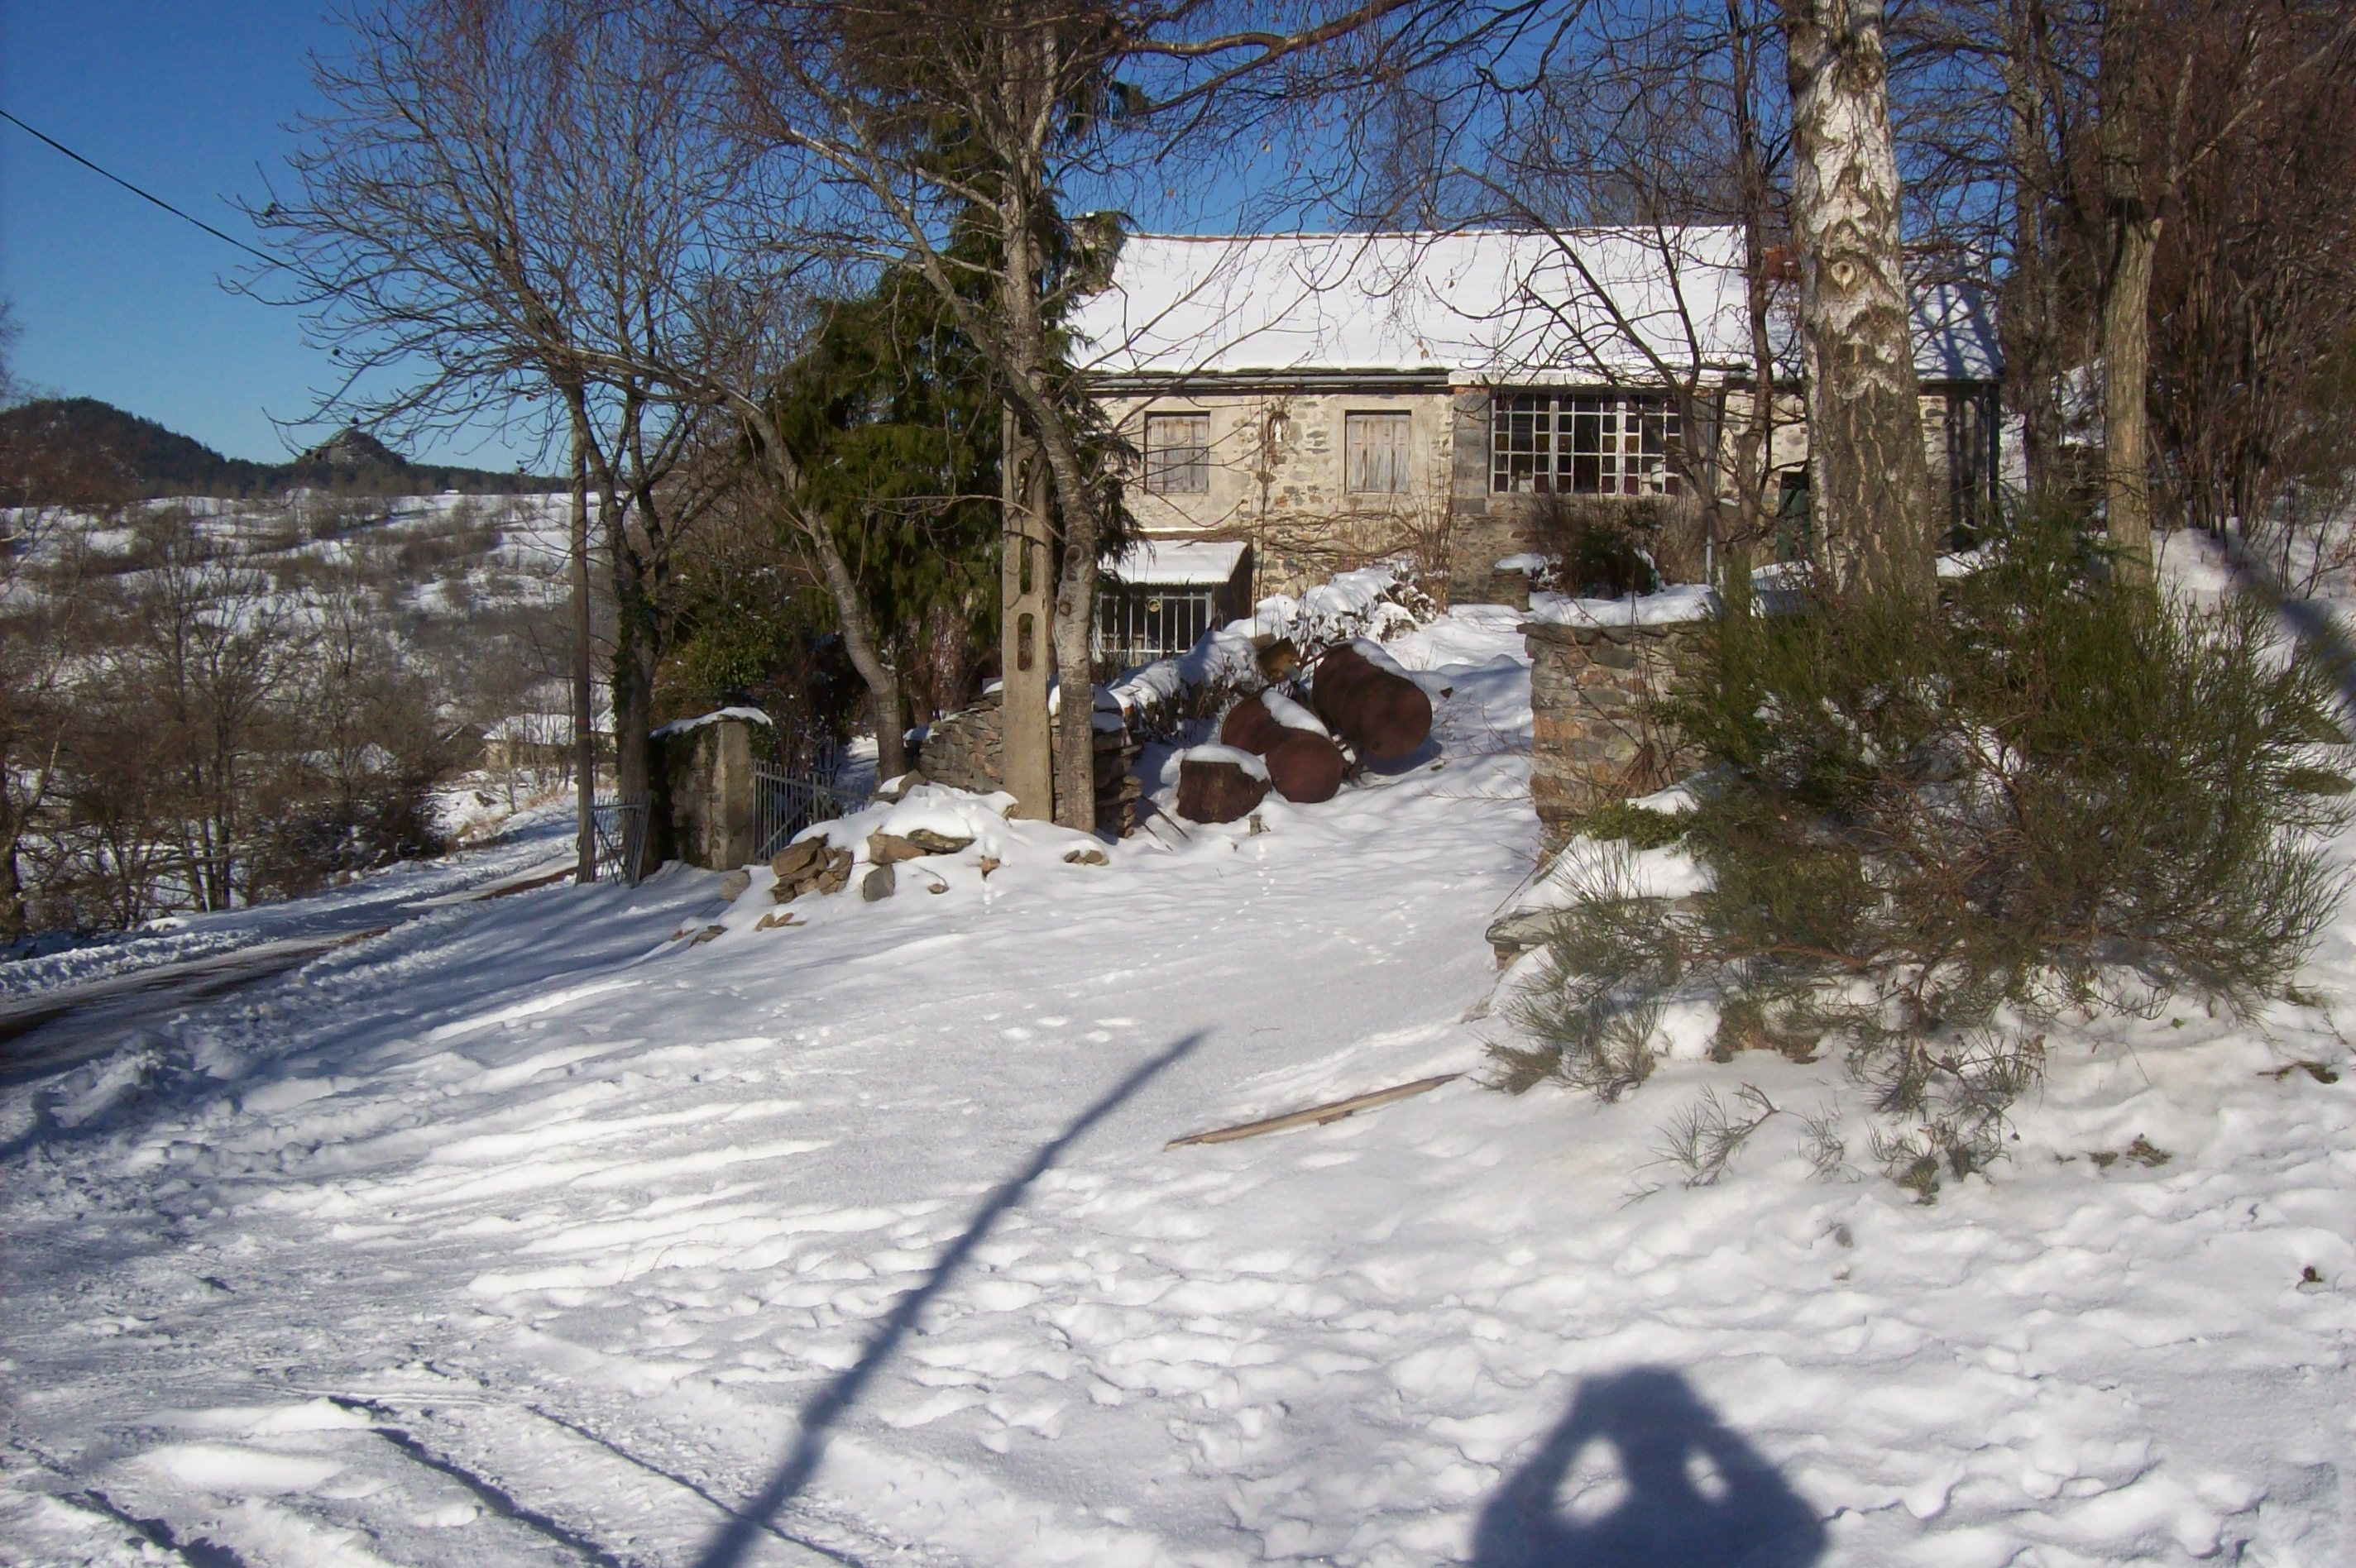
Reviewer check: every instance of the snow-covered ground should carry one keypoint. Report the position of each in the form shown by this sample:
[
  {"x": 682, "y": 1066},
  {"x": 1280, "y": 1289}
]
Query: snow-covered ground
[
  {"x": 525, "y": 840},
  {"x": 526, "y": 1233}
]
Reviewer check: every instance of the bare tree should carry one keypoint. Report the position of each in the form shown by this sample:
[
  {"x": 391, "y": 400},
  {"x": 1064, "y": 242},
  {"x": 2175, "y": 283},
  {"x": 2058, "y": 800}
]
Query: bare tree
[
  {"x": 933, "y": 120},
  {"x": 494, "y": 199},
  {"x": 1661, "y": 142},
  {"x": 207, "y": 652}
]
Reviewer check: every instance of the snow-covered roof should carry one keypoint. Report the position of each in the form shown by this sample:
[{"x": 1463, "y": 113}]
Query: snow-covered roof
[
  {"x": 1168, "y": 562},
  {"x": 1478, "y": 307},
  {"x": 1472, "y": 305}
]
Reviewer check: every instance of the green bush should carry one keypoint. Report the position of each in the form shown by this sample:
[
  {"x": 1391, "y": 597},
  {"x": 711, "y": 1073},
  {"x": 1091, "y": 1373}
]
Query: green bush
[
  {"x": 1937, "y": 827},
  {"x": 1597, "y": 552}
]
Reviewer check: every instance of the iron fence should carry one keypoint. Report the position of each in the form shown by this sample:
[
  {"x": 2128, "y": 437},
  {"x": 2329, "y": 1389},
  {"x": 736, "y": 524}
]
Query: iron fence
[
  {"x": 783, "y": 801},
  {"x": 621, "y": 829}
]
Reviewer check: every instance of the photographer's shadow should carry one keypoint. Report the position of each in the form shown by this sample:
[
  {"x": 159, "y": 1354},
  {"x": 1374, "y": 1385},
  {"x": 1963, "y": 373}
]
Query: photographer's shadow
[{"x": 1658, "y": 1482}]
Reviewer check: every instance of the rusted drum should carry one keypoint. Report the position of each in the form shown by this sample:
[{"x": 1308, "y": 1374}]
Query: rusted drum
[
  {"x": 1304, "y": 766},
  {"x": 1212, "y": 788},
  {"x": 1378, "y": 710}
]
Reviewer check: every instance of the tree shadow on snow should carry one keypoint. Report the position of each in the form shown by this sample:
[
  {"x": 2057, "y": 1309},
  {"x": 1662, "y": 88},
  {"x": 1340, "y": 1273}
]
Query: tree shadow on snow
[
  {"x": 829, "y": 1406},
  {"x": 1679, "y": 1489}
]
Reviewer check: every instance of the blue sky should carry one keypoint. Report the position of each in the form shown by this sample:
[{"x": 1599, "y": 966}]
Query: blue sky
[{"x": 189, "y": 98}]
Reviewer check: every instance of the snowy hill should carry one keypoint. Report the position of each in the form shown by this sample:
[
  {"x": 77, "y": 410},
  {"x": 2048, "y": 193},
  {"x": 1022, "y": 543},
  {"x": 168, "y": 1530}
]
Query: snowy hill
[
  {"x": 533, "y": 1232},
  {"x": 95, "y": 449}
]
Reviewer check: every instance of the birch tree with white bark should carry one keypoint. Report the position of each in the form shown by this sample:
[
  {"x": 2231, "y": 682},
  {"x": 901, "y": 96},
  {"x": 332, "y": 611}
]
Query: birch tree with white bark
[{"x": 1870, "y": 480}]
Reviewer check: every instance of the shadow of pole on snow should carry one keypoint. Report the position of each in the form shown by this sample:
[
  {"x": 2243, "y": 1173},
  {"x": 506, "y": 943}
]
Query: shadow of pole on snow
[
  {"x": 820, "y": 1416},
  {"x": 1687, "y": 1491}
]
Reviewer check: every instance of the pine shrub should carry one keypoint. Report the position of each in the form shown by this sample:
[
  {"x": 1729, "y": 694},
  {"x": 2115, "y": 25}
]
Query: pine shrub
[{"x": 1931, "y": 829}]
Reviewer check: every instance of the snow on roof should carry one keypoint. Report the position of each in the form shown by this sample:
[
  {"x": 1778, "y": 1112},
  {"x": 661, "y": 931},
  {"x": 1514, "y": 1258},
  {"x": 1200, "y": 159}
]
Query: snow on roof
[
  {"x": 1170, "y": 562},
  {"x": 1471, "y": 305},
  {"x": 1481, "y": 307}
]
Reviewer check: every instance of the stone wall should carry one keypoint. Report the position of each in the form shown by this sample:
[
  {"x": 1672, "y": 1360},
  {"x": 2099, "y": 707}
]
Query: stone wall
[
  {"x": 1592, "y": 743},
  {"x": 1487, "y": 526},
  {"x": 967, "y": 750},
  {"x": 701, "y": 808}
]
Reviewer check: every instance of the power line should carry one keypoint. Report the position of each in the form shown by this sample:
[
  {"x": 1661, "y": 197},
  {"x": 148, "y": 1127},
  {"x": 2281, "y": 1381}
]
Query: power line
[{"x": 144, "y": 194}]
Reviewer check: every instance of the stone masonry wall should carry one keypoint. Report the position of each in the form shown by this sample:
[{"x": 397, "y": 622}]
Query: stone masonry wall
[
  {"x": 967, "y": 750},
  {"x": 1592, "y": 743}
]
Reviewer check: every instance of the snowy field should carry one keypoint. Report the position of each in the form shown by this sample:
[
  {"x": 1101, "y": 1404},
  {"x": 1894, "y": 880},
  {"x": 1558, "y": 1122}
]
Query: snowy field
[{"x": 526, "y": 1233}]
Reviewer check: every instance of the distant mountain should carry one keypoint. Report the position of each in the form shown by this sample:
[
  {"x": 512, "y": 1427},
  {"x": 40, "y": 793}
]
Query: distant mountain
[{"x": 79, "y": 450}]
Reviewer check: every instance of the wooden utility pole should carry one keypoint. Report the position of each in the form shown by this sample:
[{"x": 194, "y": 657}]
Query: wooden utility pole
[
  {"x": 584, "y": 708},
  {"x": 1026, "y": 609}
]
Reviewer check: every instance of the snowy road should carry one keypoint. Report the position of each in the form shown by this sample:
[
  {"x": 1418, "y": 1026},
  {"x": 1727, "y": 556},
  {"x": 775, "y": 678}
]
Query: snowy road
[{"x": 525, "y": 1233}]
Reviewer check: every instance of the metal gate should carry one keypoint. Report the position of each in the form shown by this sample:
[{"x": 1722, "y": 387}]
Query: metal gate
[
  {"x": 785, "y": 803},
  {"x": 621, "y": 829}
]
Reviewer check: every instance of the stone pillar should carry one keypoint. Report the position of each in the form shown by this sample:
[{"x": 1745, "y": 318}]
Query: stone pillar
[
  {"x": 1593, "y": 739},
  {"x": 701, "y": 773}
]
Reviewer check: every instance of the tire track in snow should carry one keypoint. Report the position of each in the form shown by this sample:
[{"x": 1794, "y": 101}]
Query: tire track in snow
[
  {"x": 502, "y": 1501},
  {"x": 830, "y": 1554},
  {"x": 496, "y": 1498},
  {"x": 200, "y": 1553}
]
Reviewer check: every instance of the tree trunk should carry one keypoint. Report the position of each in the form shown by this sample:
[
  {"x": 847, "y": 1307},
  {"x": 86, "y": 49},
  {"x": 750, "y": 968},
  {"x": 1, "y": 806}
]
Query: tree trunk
[
  {"x": 1026, "y": 613},
  {"x": 2131, "y": 228},
  {"x": 2028, "y": 317},
  {"x": 858, "y": 628},
  {"x": 628, "y": 678},
  {"x": 882, "y": 681},
  {"x": 1020, "y": 285},
  {"x": 584, "y": 700},
  {"x": 1075, "y": 599},
  {"x": 2126, "y": 365},
  {"x": 1870, "y": 482},
  {"x": 12, "y": 892}
]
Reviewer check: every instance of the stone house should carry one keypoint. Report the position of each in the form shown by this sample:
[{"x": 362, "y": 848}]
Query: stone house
[{"x": 1328, "y": 399}]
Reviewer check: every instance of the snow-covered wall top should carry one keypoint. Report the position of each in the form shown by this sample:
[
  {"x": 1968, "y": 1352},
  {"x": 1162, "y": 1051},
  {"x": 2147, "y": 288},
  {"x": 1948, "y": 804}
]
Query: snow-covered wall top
[
  {"x": 1669, "y": 607},
  {"x": 1476, "y": 307},
  {"x": 742, "y": 715}
]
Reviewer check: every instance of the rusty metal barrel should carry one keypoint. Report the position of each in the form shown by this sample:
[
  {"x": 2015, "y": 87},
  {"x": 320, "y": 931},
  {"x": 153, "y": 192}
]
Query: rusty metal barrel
[
  {"x": 1381, "y": 712},
  {"x": 1304, "y": 766}
]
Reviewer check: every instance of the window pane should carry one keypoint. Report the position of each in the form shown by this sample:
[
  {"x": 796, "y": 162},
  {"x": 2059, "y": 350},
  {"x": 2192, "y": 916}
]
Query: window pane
[{"x": 1521, "y": 443}]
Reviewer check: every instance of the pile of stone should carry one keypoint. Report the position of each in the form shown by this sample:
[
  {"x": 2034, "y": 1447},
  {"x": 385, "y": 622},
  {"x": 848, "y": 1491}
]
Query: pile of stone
[
  {"x": 810, "y": 865},
  {"x": 813, "y": 866}
]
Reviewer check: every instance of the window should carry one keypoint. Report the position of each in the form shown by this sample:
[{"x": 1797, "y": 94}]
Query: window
[
  {"x": 1374, "y": 453},
  {"x": 1587, "y": 444},
  {"x": 1139, "y": 623},
  {"x": 1178, "y": 453}
]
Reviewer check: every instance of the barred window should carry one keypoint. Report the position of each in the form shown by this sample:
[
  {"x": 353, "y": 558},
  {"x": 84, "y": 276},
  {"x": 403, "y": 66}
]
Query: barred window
[
  {"x": 1178, "y": 453},
  {"x": 1584, "y": 444},
  {"x": 1374, "y": 450}
]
